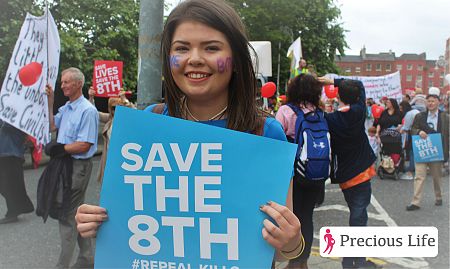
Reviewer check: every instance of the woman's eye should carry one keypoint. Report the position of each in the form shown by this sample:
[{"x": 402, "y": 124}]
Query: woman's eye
[
  {"x": 212, "y": 48},
  {"x": 181, "y": 49}
]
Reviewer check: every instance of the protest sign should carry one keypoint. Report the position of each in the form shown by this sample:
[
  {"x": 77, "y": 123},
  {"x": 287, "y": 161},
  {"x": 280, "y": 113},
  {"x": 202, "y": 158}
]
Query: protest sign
[
  {"x": 107, "y": 80},
  {"x": 377, "y": 87},
  {"x": 427, "y": 150},
  {"x": 181, "y": 194},
  {"x": 34, "y": 63}
]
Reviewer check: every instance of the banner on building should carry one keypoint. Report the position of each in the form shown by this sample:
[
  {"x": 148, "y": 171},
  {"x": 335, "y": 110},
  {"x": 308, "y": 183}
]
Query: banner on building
[
  {"x": 34, "y": 63},
  {"x": 181, "y": 194},
  {"x": 427, "y": 150},
  {"x": 107, "y": 80},
  {"x": 377, "y": 87}
]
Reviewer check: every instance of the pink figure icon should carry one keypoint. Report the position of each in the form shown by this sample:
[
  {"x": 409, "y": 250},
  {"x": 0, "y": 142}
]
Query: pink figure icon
[{"x": 330, "y": 241}]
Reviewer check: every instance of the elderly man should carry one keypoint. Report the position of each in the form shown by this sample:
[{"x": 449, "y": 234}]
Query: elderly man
[
  {"x": 77, "y": 125},
  {"x": 430, "y": 121}
]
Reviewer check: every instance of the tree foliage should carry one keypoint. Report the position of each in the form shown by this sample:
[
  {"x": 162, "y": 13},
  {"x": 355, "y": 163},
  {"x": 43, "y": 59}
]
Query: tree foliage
[
  {"x": 282, "y": 20},
  {"x": 108, "y": 30},
  {"x": 89, "y": 30}
]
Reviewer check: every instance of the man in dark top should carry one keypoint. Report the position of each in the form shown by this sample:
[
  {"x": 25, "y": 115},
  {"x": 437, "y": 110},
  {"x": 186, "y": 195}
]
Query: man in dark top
[
  {"x": 12, "y": 185},
  {"x": 353, "y": 157}
]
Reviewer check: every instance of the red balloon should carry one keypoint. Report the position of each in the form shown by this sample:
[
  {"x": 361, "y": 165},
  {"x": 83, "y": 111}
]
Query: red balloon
[
  {"x": 30, "y": 73},
  {"x": 283, "y": 98},
  {"x": 331, "y": 91},
  {"x": 376, "y": 111},
  {"x": 268, "y": 89}
]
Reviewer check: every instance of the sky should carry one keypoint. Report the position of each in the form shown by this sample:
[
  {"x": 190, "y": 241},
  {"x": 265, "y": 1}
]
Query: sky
[{"x": 403, "y": 26}]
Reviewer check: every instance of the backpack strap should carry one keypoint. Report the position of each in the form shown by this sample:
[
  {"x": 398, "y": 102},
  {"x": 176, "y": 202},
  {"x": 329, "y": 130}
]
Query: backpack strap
[
  {"x": 298, "y": 123},
  {"x": 159, "y": 108}
]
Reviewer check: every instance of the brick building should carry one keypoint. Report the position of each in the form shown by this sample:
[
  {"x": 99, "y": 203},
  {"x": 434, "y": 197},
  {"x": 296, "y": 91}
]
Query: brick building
[{"x": 415, "y": 70}]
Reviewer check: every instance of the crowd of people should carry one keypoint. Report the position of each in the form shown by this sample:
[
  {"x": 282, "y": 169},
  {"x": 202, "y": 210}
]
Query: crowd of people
[{"x": 198, "y": 34}]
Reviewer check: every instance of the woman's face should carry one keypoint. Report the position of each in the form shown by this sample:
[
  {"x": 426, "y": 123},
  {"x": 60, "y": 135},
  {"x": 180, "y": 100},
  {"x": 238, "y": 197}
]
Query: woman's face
[
  {"x": 201, "y": 62},
  {"x": 389, "y": 104}
]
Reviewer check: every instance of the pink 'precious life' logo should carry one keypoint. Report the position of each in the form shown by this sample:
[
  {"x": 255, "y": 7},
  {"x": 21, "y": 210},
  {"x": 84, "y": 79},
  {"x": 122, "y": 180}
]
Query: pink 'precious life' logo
[{"x": 329, "y": 240}]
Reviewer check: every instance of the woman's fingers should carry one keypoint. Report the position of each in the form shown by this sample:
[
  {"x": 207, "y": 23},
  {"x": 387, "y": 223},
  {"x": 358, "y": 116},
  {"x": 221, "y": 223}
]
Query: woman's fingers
[
  {"x": 270, "y": 239},
  {"x": 88, "y": 218},
  {"x": 88, "y": 229},
  {"x": 275, "y": 214},
  {"x": 286, "y": 233},
  {"x": 286, "y": 213}
]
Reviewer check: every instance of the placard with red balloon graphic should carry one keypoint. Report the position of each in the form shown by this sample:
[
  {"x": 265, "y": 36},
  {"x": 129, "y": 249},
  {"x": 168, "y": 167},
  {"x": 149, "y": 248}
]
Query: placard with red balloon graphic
[{"x": 34, "y": 63}]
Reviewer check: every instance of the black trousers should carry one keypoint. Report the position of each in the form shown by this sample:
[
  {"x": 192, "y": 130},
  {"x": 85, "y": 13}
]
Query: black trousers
[
  {"x": 12, "y": 186},
  {"x": 306, "y": 194}
]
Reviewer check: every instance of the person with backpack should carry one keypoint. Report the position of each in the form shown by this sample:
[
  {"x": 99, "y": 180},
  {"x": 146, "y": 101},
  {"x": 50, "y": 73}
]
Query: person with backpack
[
  {"x": 352, "y": 157},
  {"x": 304, "y": 124},
  {"x": 210, "y": 79}
]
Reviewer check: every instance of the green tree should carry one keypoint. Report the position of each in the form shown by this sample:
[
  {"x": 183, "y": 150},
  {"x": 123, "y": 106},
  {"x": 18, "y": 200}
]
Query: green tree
[
  {"x": 12, "y": 16},
  {"x": 282, "y": 20},
  {"x": 89, "y": 30}
]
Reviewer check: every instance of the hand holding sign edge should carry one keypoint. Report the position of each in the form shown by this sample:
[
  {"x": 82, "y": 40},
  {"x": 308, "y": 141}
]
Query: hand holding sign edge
[
  {"x": 287, "y": 235},
  {"x": 89, "y": 218}
]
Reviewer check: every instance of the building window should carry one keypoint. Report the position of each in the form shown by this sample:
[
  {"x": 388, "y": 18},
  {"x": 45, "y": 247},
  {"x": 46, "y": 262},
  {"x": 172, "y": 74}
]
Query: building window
[
  {"x": 442, "y": 83},
  {"x": 388, "y": 67},
  {"x": 409, "y": 67},
  {"x": 369, "y": 67},
  {"x": 348, "y": 70},
  {"x": 441, "y": 75},
  {"x": 430, "y": 74},
  {"x": 378, "y": 68},
  {"x": 399, "y": 67},
  {"x": 419, "y": 77},
  {"x": 358, "y": 69},
  {"x": 408, "y": 77},
  {"x": 430, "y": 83},
  {"x": 419, "y": 67}
]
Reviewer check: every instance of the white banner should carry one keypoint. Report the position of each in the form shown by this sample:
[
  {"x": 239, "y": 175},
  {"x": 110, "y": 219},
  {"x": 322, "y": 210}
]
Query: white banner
[
  {"x": 23, "y": 102},
  {"x": 377, "y": 87}
]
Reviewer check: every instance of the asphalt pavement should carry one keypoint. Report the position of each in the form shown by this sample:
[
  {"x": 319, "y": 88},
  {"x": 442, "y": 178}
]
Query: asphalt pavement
[{"x": 30, "y": 243}]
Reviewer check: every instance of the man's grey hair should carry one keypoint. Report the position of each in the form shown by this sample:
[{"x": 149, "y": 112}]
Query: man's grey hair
[{"x": 76, "y": 74}]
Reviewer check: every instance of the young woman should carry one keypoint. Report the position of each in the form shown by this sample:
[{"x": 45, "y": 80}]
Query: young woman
[
  {"x": 304, "y": 92},
  {"x": 210, "y": 79}
]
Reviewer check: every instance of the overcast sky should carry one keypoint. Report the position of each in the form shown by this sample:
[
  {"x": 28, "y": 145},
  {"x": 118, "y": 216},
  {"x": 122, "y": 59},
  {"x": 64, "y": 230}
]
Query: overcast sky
[{"x": 403, "y": 26}]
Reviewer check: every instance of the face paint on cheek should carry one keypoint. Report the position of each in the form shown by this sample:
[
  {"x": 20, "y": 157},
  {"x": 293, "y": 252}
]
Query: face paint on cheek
[
  {"x": 223, "y": 65},
  {"x": 174, "y": 61}
]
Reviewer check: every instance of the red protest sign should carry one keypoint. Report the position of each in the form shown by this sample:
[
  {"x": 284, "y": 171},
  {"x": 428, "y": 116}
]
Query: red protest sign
[{"x": 107, "y": 80}]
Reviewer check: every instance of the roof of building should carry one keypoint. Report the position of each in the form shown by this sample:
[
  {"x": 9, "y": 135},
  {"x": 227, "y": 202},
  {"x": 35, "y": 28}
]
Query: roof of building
[
  {"x": 384, "y": 56},
  {"x": 413, "y": 56},
  {"x": 348, "y": 58}
]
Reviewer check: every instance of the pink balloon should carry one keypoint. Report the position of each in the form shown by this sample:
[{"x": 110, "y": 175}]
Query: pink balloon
[
  {"x": 30, "y": 73},
  {"x": 268, "y": 89}
]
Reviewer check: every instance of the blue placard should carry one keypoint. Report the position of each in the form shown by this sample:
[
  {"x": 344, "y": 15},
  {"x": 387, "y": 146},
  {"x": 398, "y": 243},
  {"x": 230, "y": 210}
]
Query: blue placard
[
  {"x": 427, "y": 150},
  {"x": 210, "y": 181}
]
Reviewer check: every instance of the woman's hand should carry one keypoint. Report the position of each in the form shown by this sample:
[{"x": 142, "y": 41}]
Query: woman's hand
[
  {"x": 286, "y": 235},
  {"x": 89, "y": 218}
]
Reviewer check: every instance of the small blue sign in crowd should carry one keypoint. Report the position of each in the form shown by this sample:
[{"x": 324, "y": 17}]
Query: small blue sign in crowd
[{"x": 429, "y": 149}]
